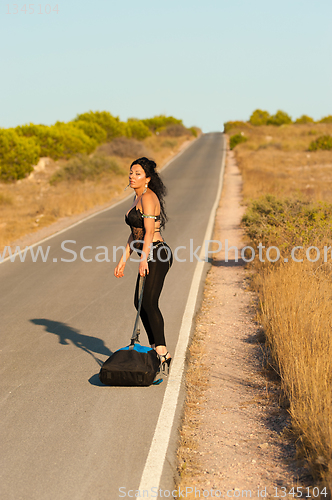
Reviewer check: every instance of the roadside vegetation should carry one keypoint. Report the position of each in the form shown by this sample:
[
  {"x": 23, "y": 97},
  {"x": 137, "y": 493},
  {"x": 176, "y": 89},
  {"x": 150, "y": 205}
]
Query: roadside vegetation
[
  {"x": 286, "y": 167},
  {"x": 51, "y": 172}
]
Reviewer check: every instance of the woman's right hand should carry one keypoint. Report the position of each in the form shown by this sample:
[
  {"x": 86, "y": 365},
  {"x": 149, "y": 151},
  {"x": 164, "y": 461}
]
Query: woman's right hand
[{"x": 119, "y": 270}]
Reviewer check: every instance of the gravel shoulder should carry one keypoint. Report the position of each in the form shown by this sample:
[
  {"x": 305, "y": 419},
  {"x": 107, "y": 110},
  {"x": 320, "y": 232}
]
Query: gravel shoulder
[{"x": 235, "y": 438}]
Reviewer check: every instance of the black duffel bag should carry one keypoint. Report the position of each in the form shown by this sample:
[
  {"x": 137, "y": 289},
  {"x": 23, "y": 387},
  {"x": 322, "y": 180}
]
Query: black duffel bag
[
  {"x": 133, "y": 365},
  {"x": 130, "y": 367}
]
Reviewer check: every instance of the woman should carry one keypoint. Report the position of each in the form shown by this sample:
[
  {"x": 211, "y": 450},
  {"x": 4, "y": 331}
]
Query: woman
[{"x": 146, "y": 217}]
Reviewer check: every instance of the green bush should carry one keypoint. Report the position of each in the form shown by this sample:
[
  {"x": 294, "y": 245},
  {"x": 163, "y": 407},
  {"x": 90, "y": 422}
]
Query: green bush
[
  {"x": 48, "y": 138},
  {"x": 21, "y": 147},
  {"x": 137, "y": 130},
  {"x": 82, "y": 167},
  {"x": 322, "y": 142},
  {"x": 92, "y": 130},
  {"x": 236, "y": 139},
  {"x": 304, "y": 119},
  {"x": 111, "y": 124},
  {"x": 237, "y": 124},
  {"x": 157, "y": 123},
  {"x": 326, "y": 119},
  {"x": 259, "y": 117},
  {"x": 280, "y": 118},
  {"x": 74, "y": 140},
  {"x": 17, "y": 155},
  {"x": 195, "y": 131},
  {"x": 61, "y": 140},
  {"x": 286, "y": 222}
]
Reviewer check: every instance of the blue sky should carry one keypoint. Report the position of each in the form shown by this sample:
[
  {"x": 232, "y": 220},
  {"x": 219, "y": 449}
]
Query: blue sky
[{"x": 205, "y": 62}]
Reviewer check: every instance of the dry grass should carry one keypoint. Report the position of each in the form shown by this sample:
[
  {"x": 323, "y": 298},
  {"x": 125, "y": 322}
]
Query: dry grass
[
  {"x": 276, "y": 160},
  {"x": 296, "y": 313},
  {"x": 32, "y": 203},
  {"x": 124, "y": 147},
  {"x": 296, "y": 298}
]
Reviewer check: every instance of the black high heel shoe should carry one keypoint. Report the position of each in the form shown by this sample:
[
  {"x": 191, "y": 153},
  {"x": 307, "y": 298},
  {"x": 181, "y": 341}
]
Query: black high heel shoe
[
  {"x": 165, "y": 363},
  {"x": 163, "y": 370}
]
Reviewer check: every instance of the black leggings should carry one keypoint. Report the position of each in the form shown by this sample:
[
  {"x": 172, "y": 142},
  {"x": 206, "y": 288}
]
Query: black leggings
[{"x": 151, "y": 317}]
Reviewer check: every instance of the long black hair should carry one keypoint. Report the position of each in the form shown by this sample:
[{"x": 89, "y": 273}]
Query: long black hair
[{"x": 156, "y": 184}]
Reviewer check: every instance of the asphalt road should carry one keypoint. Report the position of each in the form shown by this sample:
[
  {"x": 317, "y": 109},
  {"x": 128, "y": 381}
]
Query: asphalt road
[{"x": 63, "y": 435}]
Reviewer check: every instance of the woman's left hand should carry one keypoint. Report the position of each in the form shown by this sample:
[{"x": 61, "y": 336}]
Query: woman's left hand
[{"x": 143, "y": 268}]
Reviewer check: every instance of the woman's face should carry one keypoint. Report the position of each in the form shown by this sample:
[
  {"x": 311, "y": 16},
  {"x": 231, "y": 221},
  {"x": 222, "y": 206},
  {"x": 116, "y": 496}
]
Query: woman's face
[{"x": 137, "y": 177}]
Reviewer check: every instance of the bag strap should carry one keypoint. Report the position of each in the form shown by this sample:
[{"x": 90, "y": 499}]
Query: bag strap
[{"x": 136, "y": 331}]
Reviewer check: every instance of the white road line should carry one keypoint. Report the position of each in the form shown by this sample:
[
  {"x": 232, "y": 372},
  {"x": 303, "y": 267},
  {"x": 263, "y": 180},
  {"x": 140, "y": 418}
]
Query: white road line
[
  {"x": 157, "y": 453},
  {"x": 101, "y": 211}
]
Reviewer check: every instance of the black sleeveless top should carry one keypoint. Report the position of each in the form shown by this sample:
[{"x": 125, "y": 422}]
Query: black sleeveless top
[{"x": 134, "y": 219}]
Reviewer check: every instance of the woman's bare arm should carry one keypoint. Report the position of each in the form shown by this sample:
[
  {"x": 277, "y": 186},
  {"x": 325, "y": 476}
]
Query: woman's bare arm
[{"x": 119, "y": 270}]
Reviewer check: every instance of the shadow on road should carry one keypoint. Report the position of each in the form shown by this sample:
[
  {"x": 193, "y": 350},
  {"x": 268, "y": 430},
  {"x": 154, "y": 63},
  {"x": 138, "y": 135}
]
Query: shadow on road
[
  {"x": 66, "y": 333},
  {"x": 94, "y": 380}
]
